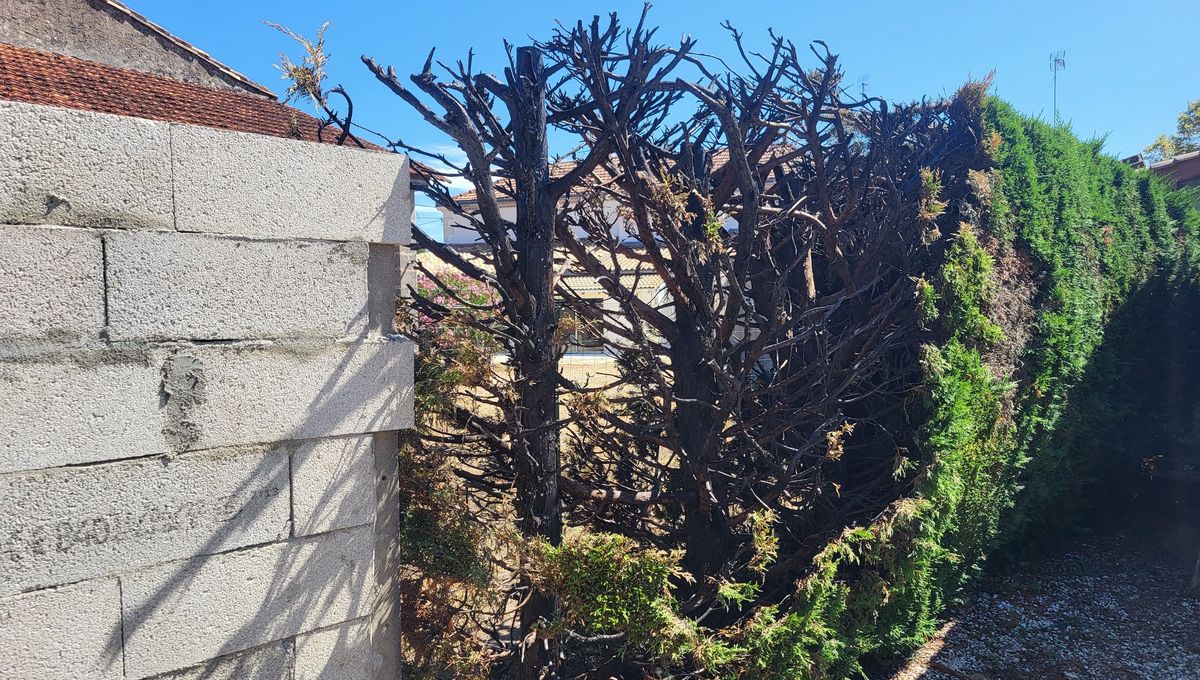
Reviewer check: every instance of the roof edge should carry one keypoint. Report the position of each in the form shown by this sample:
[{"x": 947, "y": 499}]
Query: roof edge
[
  {"x": 1168, "y": 162},
  {"x": 190, "y": 48}
]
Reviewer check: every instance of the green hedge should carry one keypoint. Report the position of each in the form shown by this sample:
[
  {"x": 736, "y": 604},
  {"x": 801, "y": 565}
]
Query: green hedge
[
  {"x": 1008, "y": 458},
  {"x": 1011, "y": 460},
  {"x": 1097, "y": 230}
]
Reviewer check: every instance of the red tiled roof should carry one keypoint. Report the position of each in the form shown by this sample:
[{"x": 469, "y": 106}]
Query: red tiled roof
[
  {"x": 504, "y": 186},
  {"x": 37, "y": 77}
]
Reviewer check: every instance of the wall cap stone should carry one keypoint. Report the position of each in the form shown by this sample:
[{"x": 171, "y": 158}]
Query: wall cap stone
[{"x": 88, "y": 169}]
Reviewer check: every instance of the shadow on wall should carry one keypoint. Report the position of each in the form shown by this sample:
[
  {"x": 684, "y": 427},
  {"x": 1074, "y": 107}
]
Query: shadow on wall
[
  {"x": 330, "y": 583},
  {"x": 333, "y": 565}
]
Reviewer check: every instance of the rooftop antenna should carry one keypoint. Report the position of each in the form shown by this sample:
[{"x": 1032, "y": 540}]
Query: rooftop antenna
[{"x": 1058, "y": 62}]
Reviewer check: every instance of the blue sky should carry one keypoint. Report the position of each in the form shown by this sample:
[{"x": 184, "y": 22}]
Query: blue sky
[{"x": 1131, "y": 65}]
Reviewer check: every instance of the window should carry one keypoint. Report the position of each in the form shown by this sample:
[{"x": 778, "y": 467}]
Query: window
[{"x": 579, "y": 335}]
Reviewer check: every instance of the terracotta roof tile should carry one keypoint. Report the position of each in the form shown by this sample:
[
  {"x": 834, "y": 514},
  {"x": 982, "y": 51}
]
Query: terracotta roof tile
[
  {"x": 504, "y": 186},
  {"x": 37, "y": 77}
]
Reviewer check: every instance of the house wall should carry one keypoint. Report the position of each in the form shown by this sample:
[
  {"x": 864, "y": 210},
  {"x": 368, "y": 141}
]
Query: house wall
[
  {"x": 200, "y": 393},
  {"x": 456, "y": 229},
  {"x": 95, "y": 31},
  {"x": 1183, "y": 171}
]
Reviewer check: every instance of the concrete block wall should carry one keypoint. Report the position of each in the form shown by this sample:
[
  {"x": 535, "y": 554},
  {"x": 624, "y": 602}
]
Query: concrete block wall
[{"x": 200, "y": 393}]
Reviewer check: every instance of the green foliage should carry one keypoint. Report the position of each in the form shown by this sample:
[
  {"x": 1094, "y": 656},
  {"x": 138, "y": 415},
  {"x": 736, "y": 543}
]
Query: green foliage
[
  {"x": 1185, "y": 139},
  {"x": 1094, "y": 230},
  {"x": 1097, "y": 229},
  {"x": 970, "y": 482},
  {"x": 734, "y": 595},
  {"x": 456, "y": 350},
  {"x": 792, "y": 645},
  {"x": 1000, "y": 457},
  {"x": 608, "y": 585},
  {"x": 444, "y": 553},
  {"x": 436, "y": 537},
  {"x": 927, "y": 300},
  {"x": 931, "y": 188},
  {"x": 965, "y": 286},
  {"x": 441, "y": 547},
  {"x": 764, "y": 542}
]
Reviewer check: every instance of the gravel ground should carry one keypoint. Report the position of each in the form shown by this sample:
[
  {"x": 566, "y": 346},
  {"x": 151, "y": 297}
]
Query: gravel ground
[{"x": 1110, "y": 607}]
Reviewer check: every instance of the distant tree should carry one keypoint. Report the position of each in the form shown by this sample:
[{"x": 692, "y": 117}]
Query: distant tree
[{"x": 1185, "y": 139}]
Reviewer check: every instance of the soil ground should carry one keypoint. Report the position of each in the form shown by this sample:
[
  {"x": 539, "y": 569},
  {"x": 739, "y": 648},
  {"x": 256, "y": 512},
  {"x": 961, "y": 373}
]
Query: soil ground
[{"x": 1108, "y": 604}]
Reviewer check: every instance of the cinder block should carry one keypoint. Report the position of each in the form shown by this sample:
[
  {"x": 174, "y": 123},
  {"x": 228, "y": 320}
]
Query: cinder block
[
  {"x": 337, "y": 653},
  {"x": 165, "y": 285},
  {"x": 407, "y": 278},
  {"x": 385, "y": 613},
  {"x": 223, "y": 394},
  {"x": 180, "y": 614},
  {"x": 269, "y": 662},
  {"x": 78, "y": 405},
  {"x": 255, "y": 185},
  {"x": 333, "y": 483},
  {"x": 70, "y": 524},
  {"x": 71, "y": 632},
  {"x": 78, "y": 168},
  {"x": 51, "y": 283},
  {"x": 384, "y": 285},
  {"x": 89, "y": 405}
]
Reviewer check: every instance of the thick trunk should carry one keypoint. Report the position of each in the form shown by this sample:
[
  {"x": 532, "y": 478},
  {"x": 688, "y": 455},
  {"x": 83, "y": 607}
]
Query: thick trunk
[
  {"x": 535, "y": 358},
  {"x": 705, "y": 526}
]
